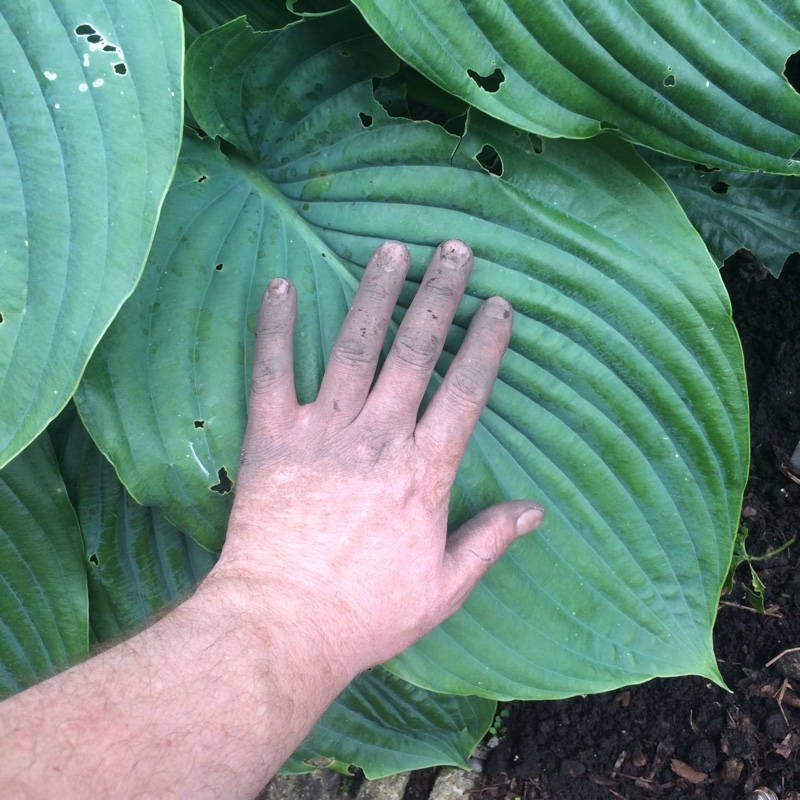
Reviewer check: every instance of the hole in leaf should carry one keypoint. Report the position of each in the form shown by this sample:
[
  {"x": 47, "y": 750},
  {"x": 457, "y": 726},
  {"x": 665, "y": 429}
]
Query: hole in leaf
[
  {"x": 225, "y": 484},
  {"x": 199, "y": 423},
  {"x": 202, "y": 178},
  {"x": 489, "y": 83},
  {"x": 792, "y": 71},
  {"x": 605, "y": 125},
  {"x": 703, "y": 168},
  {"x": 720, "y": 187},
  {"x": 85, "y": 30},
  {"x": 1, "y": 317},
  {"x": 456, "y": 125},
  {"x": 94, "y": 38},
  {"x": 109, "y": 48},
  {"x": 366, "y": 119},
  {"x": 219, "y": 267},
  {"x": 120, "y": 69},
  {"x": 669, "y": 80},
  {"x": 345, "y": 53},
  {"x": 490, "y": 160},
  {"x": 536, "y": 143},
  {"x": 93, "y": 559}
]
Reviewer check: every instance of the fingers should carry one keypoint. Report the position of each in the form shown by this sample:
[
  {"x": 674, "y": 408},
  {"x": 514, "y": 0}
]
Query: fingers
[
  {"x": 352, "y": 363},
  {"x": 451, "y": 416},
  {"x": 477, "y": 544},
  {"x": 272, "y": 394},
  {"x": 419, "y": 341}
]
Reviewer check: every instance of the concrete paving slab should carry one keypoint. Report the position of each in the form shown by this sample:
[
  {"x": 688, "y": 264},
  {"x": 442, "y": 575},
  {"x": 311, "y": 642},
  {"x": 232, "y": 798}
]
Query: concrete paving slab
[
  {"x": 321, "y": 784},
  {"x": 391, "y": 788},
  {"x": 454, "y": 784}
]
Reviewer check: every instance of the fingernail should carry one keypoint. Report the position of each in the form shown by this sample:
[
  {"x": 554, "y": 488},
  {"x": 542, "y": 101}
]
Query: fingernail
[
  {"x": 278, "y": 288},
  {"x": 529, "y": 519},
  {"x": 454, "y": 253},
  {"x": 497, "y": 308}
]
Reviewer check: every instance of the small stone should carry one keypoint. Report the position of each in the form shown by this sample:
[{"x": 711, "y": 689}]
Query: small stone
[
  {"x": 789, "y": 665},
  {"x": 731, "y": 771}
]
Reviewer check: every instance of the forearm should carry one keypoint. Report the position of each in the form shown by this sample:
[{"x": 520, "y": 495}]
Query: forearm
[{"x": 208, "y": 702}]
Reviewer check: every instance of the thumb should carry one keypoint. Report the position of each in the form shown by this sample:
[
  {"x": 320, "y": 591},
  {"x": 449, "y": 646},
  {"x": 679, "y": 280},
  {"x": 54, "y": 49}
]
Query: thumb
[{"x": 478, "y": 543}]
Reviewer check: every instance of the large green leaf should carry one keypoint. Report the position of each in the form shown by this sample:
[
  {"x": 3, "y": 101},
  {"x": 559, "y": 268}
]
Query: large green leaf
[
  {"x": 385, "y": 725},
  {"x": 620, "y": 404},
  {"x": 90, "y": 125},
  {"x": 733, "y": 210},
  {"x": 43, "y": 596},
  {"x": 701, "y": 81}
]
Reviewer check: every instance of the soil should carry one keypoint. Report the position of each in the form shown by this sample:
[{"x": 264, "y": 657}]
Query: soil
[{"x": 686, "y": 739}]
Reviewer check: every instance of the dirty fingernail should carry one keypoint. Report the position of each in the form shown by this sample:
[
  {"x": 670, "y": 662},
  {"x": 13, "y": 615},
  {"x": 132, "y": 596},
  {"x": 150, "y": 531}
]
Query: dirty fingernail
[
  {"x": 455, "y": 253},
  {"x": 392, "y": 255},
  {"x": 497, "y": 308},
  {"x": 278, "y": 288},
  {"x": 529, "y": 519}
]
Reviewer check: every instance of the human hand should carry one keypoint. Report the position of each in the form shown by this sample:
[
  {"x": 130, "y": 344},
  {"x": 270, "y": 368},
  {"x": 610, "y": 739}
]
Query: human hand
[{"x": 340, "y": 518}]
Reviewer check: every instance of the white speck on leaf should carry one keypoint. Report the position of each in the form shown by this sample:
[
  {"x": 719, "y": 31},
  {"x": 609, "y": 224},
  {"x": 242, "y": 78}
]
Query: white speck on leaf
[
  {"x": 97, "y": 83},
  {"x": 83, "y": 88},
  {"x": 85, "y": 59},
  {"x": 51, "y": 76},
  {"x": 58, "y": 105}
]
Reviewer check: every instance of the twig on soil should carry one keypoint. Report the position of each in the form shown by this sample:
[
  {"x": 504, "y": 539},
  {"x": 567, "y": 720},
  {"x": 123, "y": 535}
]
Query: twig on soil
[
  {"x": 781, "y": 655},
  {"x": 772, "y": 611}
]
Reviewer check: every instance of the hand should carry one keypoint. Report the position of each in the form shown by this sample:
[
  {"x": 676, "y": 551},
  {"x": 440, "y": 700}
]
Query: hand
[{"x": 340, "y": 517}]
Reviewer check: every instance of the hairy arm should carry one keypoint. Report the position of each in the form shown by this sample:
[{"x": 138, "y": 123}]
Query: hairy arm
[{"x": 337, "y": 558}]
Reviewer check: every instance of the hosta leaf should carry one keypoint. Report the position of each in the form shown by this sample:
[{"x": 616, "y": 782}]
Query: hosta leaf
[
  {"x": 204, "y": 15},
  {"x": 90, "y": 124},
  {"x": 384, "y": 725},
  {"x": 733, "y": 210},
  {"x": 620, "y": 404},
  {"x": 137, "y": 562},
  {"x": 700, "y": 81},
  {"x": 43, "y": 597}
]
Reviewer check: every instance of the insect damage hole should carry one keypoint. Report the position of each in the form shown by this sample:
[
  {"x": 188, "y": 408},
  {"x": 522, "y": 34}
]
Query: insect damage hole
[
  {"x": 489, "y": 83},
  {"x": 225, "y": 484},
  {"x": 366, "y": 119},
  {"x": 199, "y": 423},
  {"x": 219, "y": 267},
  {"x": 93, "y": 559},
  {"x": 792, "y": 71},
  {"x": 120, "y": 69},
  {"x": 85, "y": 30},
  {"x": 669, "y": 80},
  {"x": 720, "y": 187},
  {"x": 490, "y": 160}
]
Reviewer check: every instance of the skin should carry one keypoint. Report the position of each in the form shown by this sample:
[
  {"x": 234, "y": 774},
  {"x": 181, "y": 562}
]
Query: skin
[{"x": 337, "y": 558}]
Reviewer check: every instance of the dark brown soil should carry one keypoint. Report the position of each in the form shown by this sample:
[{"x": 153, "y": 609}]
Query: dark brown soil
[{"x": 686, "y": 738}]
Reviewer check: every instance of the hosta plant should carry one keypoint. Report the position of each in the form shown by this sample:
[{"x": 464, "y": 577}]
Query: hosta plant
[{"x": 312, "y": 134}]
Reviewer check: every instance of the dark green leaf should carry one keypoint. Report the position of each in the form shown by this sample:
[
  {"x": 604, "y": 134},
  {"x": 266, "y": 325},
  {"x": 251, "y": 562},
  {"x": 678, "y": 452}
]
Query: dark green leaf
[
  {"x": 733, "y": 210},
  {"x": 700, "y": 81},
  {"x": 43, "y": 596}
]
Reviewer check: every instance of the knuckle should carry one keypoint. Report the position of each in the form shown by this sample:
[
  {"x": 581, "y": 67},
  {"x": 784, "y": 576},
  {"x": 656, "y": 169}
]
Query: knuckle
[
  {"x": 352, "y": 353},
  {"x": 467, "y": 387},
  {"x": 267, "y": 375},
  {"x": 416, "y": 349}
]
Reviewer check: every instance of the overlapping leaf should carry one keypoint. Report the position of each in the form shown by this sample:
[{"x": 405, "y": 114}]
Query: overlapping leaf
[
  {"x": 733, "y": 210},
  {"x": 385, "y": 725},
  {"x": 700, "y": 81},
  {"x": 90, "y": 109},
  {"x": 620, "y": 404},
  {"x": 43, "y": 596}
]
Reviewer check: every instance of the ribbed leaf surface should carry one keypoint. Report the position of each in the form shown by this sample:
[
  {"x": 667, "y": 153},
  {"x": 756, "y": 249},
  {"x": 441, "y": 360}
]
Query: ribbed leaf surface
[
  {"x": 43, "y": 597},
  {"x": 620, "y": 404},
  {"x": 700, "y": 81},
  {"x": 90, "y": 116}
]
